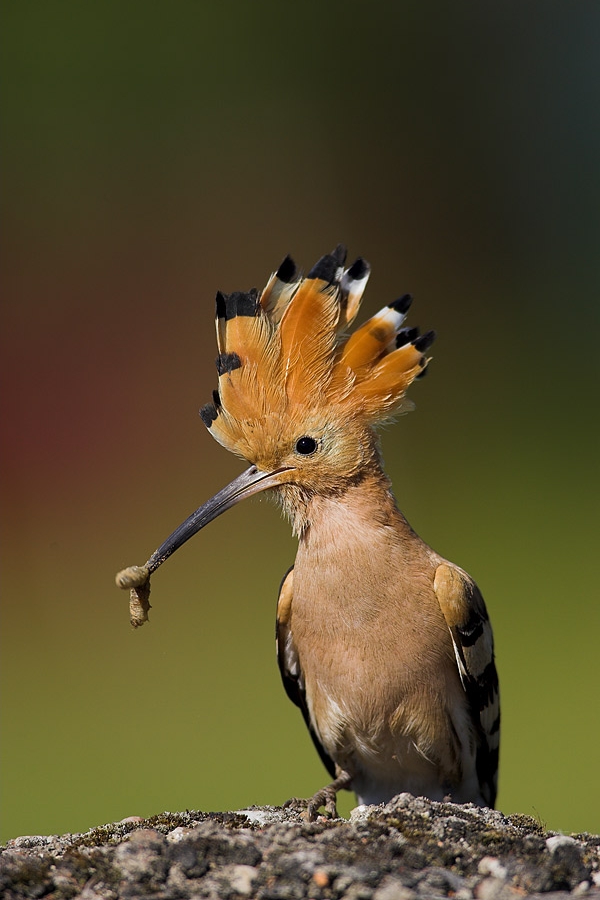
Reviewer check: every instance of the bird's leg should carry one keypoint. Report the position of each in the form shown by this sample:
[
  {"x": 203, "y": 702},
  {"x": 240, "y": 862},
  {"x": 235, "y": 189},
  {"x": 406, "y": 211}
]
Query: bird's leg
[{"x": 327, "y": 796}]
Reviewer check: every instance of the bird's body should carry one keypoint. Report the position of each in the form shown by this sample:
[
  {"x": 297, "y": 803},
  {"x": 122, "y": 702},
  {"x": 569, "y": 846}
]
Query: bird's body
[
  {"x": 369, "y": 647},
  {"x": 385, "y": 646}
]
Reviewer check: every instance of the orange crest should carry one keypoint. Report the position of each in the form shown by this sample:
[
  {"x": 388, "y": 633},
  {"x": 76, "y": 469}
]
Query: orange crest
[{"x": 284, "y": 352}]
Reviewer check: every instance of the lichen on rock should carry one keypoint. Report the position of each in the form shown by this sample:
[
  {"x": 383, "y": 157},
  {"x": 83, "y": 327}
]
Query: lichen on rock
[{"x": 409, "y": 848}]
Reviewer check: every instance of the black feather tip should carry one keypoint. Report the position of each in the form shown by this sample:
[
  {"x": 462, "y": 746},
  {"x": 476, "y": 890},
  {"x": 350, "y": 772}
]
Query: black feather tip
[
  {"x": 325, "y": 269},
  {"x": 339, "y": 254},
  {"x": 287, "y": 270},
  {"x": 402, "y": 305},
  {"x": 358, "y": 270},
  {"x": 239, "y": 303},
  {"x": 424, "y": 342},
  {"x": 208, "y": 414},
  {"x": 221, "y": 305},
  {"x": 406, "y": 336},
  {"x": 227, "y": 362}
]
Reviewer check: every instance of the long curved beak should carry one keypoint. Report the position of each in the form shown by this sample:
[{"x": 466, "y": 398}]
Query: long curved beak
[{"x": 252, "y": 481}]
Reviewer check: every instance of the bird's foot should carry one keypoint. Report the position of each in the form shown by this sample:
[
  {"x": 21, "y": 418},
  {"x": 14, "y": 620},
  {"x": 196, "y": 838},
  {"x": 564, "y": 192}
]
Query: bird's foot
[{"x": 325, "y": 797}]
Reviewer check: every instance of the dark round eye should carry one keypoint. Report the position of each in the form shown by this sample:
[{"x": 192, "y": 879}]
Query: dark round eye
[{"x": 306, "y": 445}]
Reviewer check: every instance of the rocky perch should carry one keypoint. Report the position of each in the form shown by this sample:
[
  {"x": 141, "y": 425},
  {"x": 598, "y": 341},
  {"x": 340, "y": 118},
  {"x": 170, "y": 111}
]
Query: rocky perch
[{"x": 409, "y": 848}]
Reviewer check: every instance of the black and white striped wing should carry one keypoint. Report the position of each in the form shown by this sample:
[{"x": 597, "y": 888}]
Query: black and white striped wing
[{"x": 469, "y": 625}]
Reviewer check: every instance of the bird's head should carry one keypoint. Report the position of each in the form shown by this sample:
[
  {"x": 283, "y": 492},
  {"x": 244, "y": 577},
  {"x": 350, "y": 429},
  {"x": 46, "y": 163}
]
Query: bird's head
[{"x": 298, "y": 396}]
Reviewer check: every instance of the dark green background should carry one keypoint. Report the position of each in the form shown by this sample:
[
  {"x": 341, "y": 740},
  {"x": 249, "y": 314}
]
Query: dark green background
[{"x": 154, "y": 152}]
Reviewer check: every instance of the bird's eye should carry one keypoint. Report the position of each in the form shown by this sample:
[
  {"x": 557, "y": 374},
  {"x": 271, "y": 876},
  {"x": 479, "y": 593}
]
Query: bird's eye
[{"x": 306, "y": 445}]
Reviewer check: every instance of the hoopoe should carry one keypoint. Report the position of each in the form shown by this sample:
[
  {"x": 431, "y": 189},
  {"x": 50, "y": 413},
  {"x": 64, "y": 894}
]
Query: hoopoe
[{"x": 385, "y": 646}]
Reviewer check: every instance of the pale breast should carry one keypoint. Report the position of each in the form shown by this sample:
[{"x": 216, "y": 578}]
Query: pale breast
[{"x": 374, "y": 648}]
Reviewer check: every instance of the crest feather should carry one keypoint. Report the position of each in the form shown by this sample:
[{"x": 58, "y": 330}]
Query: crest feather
[
  {"x": 352, "y": 285},
  {"x": 376, "y": 337},
  {"x": 382, "y": 392},
  {"x": 248, "y": 355},
  {"x": 281, "y": 350},
  {"x": 280, "y": 288},
  {"x": 307, "y": 333}
]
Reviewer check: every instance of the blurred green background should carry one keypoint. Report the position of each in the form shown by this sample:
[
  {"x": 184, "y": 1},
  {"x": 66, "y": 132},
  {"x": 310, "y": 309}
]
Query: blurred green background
[{"x": 155, "y": 152}]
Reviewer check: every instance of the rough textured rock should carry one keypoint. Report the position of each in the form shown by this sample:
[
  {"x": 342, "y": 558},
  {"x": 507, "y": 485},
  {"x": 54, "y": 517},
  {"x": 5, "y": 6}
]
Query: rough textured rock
[{"x": 411, "y": 848}]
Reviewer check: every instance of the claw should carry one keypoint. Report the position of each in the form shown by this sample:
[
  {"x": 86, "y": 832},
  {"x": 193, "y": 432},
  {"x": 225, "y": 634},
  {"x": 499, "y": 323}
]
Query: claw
[{"x": 325, "y": 797}]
